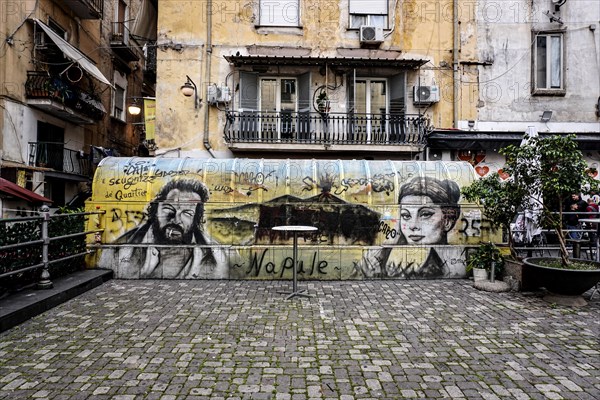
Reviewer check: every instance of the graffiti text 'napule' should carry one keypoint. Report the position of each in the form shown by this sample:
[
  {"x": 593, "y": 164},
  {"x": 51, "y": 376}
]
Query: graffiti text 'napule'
[{"x": 256, "y": 266}]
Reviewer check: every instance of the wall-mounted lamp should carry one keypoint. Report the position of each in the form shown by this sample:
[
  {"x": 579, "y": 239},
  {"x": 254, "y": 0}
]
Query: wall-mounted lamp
[
  {"x": 134, "y": 108},
  {"x": 189, "y": 88},
  {"x": 546, "y": 116},
  {"x": 558, "y": 4}
]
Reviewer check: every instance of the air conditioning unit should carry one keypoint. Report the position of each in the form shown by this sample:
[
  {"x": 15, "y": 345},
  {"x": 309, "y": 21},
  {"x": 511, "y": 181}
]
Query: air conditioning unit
[
  {"x": 218, "y": 94},
  {"x": 426, "y": 94},
  {"x": 371, "y": 34}
]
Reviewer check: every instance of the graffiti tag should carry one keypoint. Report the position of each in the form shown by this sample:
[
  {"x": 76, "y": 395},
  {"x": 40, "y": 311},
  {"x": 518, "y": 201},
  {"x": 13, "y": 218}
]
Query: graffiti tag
[
  {"x": 387, "y": 230},
  {"x": 258, "y": 265}
]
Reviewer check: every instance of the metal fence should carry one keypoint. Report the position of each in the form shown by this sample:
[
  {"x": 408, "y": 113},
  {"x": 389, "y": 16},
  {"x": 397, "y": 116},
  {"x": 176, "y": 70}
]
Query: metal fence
[{"x": 9, "y": 252}]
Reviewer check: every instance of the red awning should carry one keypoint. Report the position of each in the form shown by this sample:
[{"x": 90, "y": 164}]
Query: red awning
[{"x": 12, "y": 189}]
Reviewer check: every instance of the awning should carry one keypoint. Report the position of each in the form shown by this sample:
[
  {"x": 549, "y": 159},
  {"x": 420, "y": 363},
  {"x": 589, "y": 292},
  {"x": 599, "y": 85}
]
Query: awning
[
  {"x": 12, "y": 189},
  {"x": 491, "y": 140},
  {"x": 337, "y": 61},
  {"x": 73, "y": 53}
]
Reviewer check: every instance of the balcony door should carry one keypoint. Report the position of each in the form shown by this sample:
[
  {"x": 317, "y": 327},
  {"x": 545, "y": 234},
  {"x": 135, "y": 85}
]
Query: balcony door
[
  {"x": 274, "y": 108},
  {"x": 376, "y": 108},
  {"x": 278, "y": 105},
  {"x": 370, "y": 108},
  {"x": 49, "y": 149}
]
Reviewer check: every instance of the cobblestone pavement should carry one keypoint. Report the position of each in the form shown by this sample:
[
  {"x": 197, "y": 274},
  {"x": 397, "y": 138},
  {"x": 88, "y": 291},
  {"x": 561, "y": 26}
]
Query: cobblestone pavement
[{"x": 352, "y": 340}]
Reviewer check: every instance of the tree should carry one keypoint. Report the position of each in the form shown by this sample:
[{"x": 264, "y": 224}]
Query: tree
[
  {"x": 554, "y": 165},
  {"x": 500, "y": 199}
]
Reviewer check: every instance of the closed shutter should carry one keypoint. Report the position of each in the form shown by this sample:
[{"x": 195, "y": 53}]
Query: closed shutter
[
  {"x": 279, "y": 12},
  {"x": 304, "y": 103},
  {"x": 397, "y": 107},
  {"x": 373, "y": 7},
  {"x": 248, "y": 91},
  {"x": 248, "y": 123}
]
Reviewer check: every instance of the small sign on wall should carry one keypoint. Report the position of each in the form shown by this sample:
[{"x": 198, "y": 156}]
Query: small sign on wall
[{"x": 21, "y": 178}]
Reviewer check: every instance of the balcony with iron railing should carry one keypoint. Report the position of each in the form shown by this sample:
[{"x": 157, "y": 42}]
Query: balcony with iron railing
[
  {"x": 55, "y": 156},
  {"x": 286, "y": 130},
  {"x": 58, "y": 97},
  {"x": 86, "y": 9},
  {"x": 120, "y": 42}
]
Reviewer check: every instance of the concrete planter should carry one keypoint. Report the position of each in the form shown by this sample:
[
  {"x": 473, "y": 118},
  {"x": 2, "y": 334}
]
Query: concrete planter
[{"x": 565, "y": 282}]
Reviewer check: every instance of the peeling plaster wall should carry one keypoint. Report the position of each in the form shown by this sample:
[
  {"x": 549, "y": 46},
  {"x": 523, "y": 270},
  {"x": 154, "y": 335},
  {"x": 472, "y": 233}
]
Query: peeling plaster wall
[
  {"x": 505, "y": 38},
  {"x": 420, "y": 30}
]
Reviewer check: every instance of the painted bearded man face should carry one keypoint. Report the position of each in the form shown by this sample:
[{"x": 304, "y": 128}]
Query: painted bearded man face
[{"x": 176, "y": 217}]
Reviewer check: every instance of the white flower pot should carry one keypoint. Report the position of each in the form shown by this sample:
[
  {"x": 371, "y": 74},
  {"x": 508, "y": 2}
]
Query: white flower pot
[{"x": 479, "y": 274}]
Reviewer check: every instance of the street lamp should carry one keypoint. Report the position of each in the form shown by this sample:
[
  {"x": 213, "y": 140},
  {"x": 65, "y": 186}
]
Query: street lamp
[
  {"x": 189, "y": 88},
  {"x": 134, "y": 108}
]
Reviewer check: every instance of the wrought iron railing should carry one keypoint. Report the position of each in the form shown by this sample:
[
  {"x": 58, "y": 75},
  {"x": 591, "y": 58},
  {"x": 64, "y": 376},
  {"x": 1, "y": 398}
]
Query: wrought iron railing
[
  {"x": 326, "y": 128},
  {"x": 120, "y": 32},
  {"x": 96, "y": 5},
  {"x": 40, "y": 85},
  {"x": 54, "y": 155}
]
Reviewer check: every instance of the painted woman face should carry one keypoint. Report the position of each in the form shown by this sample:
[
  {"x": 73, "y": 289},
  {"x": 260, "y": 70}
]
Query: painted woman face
[{"x": 422, "y": 221}]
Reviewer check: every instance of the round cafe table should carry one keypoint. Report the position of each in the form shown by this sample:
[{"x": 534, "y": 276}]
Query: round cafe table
[{"x": 295, "y": 229}]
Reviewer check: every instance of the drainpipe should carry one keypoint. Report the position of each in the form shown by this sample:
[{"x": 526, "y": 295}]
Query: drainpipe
[
  {"x": 207, "y": 73},
  {"x": 455, "y": 63}
]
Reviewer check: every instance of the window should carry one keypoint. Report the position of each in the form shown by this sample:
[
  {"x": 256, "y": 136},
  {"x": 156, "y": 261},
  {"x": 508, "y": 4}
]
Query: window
[
  {"x": 58, "y": 29},
  {"x": 279, "y": 13},
  {"x": 119, "y": 95},
  {"x": 121, "y": 23},
  {"x": 278, "y": 101},
  {"x": 368, "y": 12},
  {"x": 370, "y": 107},
  {"x": 49, "y": 147},
  {"x": 378, "y": 107},
  {"x": 548, "y": 63},
  {"x": 274, "y": 108},
  {"x": 278, "y": 94}
]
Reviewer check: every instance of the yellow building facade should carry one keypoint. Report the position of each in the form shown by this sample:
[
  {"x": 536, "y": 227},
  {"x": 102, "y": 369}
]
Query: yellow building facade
[{"x": 341, "y": 79}]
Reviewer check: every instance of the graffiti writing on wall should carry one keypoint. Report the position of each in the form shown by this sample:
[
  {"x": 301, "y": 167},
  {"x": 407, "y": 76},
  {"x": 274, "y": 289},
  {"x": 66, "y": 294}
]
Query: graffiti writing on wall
[
  {"x": 258, "y": 266},
  {"x": 416, "y": 227}
]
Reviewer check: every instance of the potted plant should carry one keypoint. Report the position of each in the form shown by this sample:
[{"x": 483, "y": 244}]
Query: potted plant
[
  {"x": 501, "y": 200},
  {"x": 485, "y": 258},
  {"x": 555, "y": 168}
]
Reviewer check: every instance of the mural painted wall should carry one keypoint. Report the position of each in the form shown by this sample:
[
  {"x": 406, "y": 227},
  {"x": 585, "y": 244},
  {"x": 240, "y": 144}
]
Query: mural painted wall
[{"x": 213, "y": 218}]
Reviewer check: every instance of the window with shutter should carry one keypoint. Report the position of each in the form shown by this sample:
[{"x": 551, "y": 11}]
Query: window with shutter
[
  {"x": 279, "y": 12},
  {"x": 368, "y": 12},
  {"x": 119, "y": 95}
]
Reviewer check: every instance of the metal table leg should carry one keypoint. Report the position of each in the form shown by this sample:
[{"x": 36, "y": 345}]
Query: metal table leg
[{"x": 295, "y": 291}]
